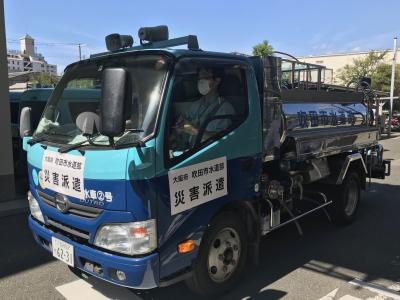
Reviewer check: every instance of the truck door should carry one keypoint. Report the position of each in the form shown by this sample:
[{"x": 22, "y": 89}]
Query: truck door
[{"x": 212, "y": 145}]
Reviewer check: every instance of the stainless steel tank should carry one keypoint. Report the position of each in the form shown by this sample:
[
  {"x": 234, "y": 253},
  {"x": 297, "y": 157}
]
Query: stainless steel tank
[{"x": 311, "y": 116}]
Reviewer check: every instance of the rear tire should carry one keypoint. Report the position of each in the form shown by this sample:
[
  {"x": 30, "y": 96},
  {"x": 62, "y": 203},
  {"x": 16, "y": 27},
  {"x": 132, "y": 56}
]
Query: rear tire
[
  {"x": 222, "y": 256},
  {"x": 346, "y": 199}
]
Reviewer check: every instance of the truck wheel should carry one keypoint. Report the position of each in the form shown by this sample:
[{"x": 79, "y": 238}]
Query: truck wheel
[
  {"x": 222, "y": 256},
  {"x": 345, "y": 204}
]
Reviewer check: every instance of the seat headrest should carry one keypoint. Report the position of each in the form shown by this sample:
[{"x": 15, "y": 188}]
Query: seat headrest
[{"x": 230, "y": 86}]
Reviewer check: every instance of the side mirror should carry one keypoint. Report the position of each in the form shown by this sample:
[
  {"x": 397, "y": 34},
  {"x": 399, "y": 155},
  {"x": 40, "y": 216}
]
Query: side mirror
[
  {"x": 113, "y": 94},
  {"x": 25, "y": 122}
]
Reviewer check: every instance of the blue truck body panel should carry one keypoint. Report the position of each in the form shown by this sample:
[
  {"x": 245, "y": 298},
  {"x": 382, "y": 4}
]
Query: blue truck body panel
[{"x": 140, "y": 272}]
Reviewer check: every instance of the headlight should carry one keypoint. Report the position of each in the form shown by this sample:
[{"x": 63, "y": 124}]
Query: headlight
[
  {"x": 128, "y": 238},
  {"x": 35, "y": 209}
]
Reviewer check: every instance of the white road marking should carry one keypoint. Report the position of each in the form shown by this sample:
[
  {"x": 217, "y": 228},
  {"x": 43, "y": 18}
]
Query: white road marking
[
  {"x": 395, "y": 287},
  {"x": 381, "y": 290},
  {"x": 348, "y": 297},
  {"x": 81, "y": 289},
  {"x": 330, "y": 296}
]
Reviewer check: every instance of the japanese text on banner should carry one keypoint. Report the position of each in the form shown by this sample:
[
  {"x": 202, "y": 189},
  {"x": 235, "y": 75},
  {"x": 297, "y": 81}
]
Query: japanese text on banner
[
  {"x": 63, "y": 173},
  {"x": 197, "y": 184}
]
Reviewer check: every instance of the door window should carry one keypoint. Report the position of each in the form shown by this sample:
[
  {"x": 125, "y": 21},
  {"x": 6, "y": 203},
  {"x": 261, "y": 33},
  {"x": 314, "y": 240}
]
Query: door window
[{"x": 208, "y": 101}]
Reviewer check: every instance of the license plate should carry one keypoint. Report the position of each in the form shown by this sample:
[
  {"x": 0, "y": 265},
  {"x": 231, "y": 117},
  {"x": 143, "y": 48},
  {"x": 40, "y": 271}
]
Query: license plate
[{"x": 63, "y": 251}]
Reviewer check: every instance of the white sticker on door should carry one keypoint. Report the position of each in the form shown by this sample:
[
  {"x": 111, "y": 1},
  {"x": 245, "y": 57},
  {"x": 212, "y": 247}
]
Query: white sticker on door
[
  {"x": 63, "y": 173},
  {"x": 197, "y": 184}
]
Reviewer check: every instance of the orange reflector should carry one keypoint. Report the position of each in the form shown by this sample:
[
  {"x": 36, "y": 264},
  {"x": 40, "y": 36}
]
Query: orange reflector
[{"x": 186, "y": 246}]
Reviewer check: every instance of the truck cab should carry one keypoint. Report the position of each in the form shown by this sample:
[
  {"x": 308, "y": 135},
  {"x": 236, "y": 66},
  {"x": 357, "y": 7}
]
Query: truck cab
[{"x": 113, "y": 191}]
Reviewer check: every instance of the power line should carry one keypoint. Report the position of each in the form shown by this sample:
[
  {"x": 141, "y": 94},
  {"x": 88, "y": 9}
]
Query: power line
[
  {"x": 13, "y": 41},
  {"x": 79, "y": 45}
]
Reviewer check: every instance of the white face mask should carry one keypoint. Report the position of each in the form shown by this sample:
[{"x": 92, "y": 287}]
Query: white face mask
[{"x": 203, "y": 86}]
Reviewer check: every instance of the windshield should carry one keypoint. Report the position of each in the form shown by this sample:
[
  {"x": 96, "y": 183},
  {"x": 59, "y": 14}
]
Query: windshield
[{"x": 76, "y": 100}]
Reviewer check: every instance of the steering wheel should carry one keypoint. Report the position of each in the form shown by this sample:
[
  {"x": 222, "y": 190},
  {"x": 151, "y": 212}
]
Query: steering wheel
[{"x": 203, "y": 126}]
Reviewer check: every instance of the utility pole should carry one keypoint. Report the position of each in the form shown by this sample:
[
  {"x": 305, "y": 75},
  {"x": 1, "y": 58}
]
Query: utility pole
[
  {"x": 80, "y": 51},
  {"x": 392, "y": 85}
]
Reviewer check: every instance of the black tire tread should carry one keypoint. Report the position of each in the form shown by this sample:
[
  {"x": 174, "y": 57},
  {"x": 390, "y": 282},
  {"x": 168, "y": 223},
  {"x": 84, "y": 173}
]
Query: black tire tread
[
  {"x": 338, "y": 195},
  {"x": 200, "y": 283}
]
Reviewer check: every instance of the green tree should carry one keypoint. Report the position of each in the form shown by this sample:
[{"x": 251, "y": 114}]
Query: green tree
[
  {"x": 44, "y": 80},
  {"x": 361, "y": 67},
  {"x": 380, "y": 73},
  {"x": 262, "y": 49},
  {"x": 380, "y": 80},
  {"x": 382, "y": 76}
]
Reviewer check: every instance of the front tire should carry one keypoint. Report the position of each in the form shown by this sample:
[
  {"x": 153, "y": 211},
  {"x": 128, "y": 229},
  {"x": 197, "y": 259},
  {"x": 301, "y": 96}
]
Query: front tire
[{"x": 222, "y": 256}]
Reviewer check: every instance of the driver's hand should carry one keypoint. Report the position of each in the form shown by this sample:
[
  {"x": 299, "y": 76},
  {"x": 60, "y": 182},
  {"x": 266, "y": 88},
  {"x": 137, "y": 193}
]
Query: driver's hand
[
  {"x": 189, "y": 127},
  {"x": 184, "y": 125}
]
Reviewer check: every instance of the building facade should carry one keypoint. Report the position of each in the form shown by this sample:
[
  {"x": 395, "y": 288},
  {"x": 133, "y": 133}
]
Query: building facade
[
  {"x": 335, "y": 62},
  {"x": 27, "y": 60}
]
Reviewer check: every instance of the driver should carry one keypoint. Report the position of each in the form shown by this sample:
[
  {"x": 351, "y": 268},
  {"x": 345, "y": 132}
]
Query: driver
[{"x": 210, "y": 104}]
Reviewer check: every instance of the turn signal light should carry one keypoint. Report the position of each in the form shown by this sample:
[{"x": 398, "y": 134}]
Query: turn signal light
[
  {"x": 186, "y": 246},
  {"x": 138, "y": 231}
]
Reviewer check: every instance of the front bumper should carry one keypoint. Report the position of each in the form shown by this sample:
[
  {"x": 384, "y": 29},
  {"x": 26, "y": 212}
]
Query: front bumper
[{"x": 141, "y": 273}]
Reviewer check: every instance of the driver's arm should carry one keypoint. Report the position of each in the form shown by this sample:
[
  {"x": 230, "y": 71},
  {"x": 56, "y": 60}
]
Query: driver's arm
[{"x": 214, "y": 126}]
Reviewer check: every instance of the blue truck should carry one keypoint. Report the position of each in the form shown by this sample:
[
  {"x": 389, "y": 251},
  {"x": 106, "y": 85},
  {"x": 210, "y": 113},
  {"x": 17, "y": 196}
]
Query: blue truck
[{"x": 174, "y": 162}]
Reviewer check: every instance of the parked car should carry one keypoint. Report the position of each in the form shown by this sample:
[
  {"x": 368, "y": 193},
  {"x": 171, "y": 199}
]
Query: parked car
[{"x": 395, "y": 123}]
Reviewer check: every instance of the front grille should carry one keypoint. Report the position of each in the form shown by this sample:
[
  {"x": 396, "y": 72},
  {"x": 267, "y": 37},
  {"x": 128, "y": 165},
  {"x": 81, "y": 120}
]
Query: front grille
[
  {"x": 74, "y": 209},
  {"x": 67, "y": 230}
]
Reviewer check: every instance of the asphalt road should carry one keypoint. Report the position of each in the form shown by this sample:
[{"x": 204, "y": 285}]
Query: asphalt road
[{"x": 361, "y": 261}]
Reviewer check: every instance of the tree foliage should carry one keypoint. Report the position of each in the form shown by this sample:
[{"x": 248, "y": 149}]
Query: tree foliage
[
  {"x": 381, "y": 81},
  {"x": 382, "y": 76},
  {"x": 44, "y": 80},
  {"x": 372, "y": 66},
  {"x": 263, "y": 48},
  {"x": 361, "y": 67}
]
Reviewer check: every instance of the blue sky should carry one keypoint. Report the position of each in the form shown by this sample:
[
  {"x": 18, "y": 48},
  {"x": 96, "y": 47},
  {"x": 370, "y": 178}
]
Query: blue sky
[{"x": 297, "y": 27}]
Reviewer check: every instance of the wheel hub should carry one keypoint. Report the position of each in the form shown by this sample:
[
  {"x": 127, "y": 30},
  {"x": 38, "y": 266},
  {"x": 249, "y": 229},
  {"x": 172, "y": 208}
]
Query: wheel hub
[
  {"x": 223, "y": 255},
  {"x": 228, "y": 256}
]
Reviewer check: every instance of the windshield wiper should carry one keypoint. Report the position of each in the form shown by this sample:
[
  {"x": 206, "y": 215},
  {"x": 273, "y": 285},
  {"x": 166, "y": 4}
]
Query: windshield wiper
[
  {"x": 138, "y": 143},
  {"x": 90, "y": 141},
  {"x": 71, "y": 147},
  {"x": 77, "y": 145},
  {"x": 135, "y": 130},
  {"x": 33, "y": 141}
]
